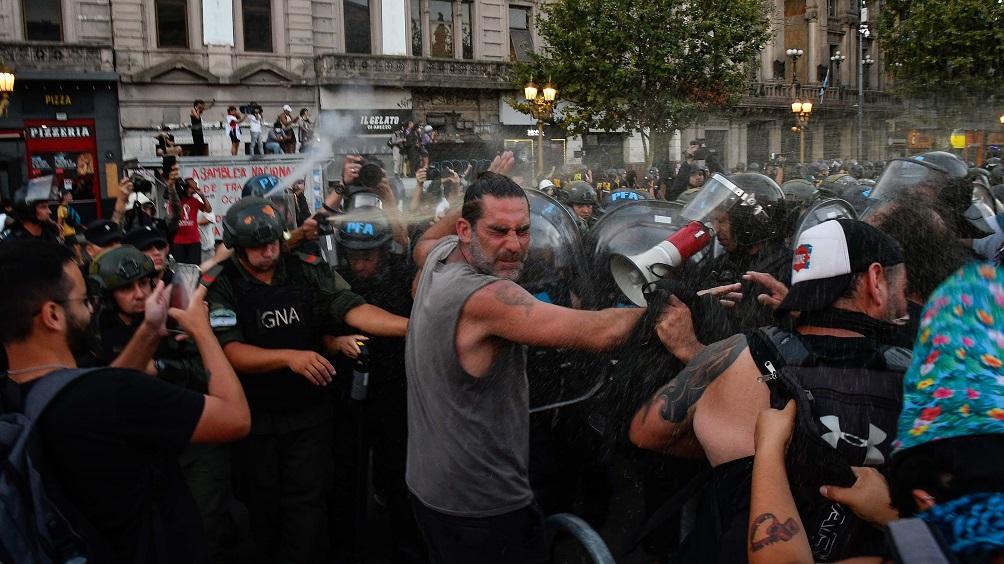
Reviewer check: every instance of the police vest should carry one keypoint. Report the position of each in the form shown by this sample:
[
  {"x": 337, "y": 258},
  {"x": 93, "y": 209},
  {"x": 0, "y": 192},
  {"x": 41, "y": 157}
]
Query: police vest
[{"x": 279, "y": 316}]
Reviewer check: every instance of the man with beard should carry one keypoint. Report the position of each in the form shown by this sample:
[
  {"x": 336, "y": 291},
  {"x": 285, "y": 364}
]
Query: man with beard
[
  {"x": 849, "y": 287},
  {"x": 110, "y": 437},
  {"x": 270, "y": 310},
  {"x": 468, "y": 407}
]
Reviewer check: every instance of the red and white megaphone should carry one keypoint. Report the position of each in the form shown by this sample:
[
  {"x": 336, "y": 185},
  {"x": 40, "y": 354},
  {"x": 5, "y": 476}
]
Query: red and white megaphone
[{"x": 633, "y": 273}]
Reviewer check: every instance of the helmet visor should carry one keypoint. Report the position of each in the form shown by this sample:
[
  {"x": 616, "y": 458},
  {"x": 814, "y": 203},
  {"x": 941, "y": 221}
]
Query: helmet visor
[
  {"x": 718, "y": 195},
  {"x": 284, "y": 203},
  {"x": 908, "y": 176}
]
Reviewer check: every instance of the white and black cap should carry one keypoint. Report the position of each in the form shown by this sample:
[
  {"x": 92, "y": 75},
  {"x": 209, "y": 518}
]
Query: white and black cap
[{"x": 828, "y": 255}]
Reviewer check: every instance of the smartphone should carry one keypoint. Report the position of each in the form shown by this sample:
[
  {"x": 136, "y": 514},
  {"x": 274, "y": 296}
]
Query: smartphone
[
  {"x": 168, "y": 164},
  {"x": 184, "y": 284}
]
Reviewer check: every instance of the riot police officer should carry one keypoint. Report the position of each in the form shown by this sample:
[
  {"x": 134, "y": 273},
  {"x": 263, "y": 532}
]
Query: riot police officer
[
  {"x": 122, "y": 278},
  {"x": 368, "y": 262},
  {"x": 32, "y": 215},
  {"x": 582, "y": 200},
  {"x": 270, "y": 310},
  {"x": 748, "y": 214}
]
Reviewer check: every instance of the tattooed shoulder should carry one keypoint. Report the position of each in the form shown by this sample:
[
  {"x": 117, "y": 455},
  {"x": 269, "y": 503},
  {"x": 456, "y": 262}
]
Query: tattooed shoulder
[
  {"x": 510, "y": 294},
  {"x": 686, "y": 388}
]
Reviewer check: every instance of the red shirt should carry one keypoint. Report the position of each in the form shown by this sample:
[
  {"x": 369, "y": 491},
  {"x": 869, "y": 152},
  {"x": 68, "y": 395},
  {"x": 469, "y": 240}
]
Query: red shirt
[{"x": 188, "y": 224}]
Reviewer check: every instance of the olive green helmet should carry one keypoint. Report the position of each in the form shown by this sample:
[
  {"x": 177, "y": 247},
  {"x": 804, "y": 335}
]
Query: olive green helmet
[
  {"x": 581, "y": 193},
  {"x": 251, "y": 222},
  {"x": 119, "y": 267}
]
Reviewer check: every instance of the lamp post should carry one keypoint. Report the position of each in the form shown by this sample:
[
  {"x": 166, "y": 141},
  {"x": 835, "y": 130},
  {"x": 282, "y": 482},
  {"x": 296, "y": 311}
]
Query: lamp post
[
  {"x": 6, "y": 88},
  {"x": 835, "y": 60},
  {"x": 802, "y": 111},
  {"x": 541, "y": 106},
  {"x": 794, "y": 54},
  {"x": 863, "y": 33}
]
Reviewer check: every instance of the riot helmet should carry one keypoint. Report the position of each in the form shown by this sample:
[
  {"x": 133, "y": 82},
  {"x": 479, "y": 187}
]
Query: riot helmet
[
  {"x": 925, "y": 175},
  {"x": 754, "y": 167},
  {"x": 992, "y": 163},
  {"x": 117, "y": 268},
  {"x": 997, "y": 175},
  {"x": 38, "y": 190},
  {"x": 798, "y": 190},
  {"x": 581, "y": 193},
  {"x": 364, "y": 228},
  {"x": 251, "y": 222},
  {"x": 857, "y": 171},
  {"x": 753, "y": 204},
  {"x": 271, "y": 188},
  {"x": 834, "y": 184},
  {"x": 820, "y": 211}
]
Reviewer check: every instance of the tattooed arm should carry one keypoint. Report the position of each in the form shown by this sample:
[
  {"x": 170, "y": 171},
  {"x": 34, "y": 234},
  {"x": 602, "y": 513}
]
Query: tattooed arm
[
  {"x": 665, "y": 423},
  {"x": 504, "y": 309},
  {"x": 776, "y": 533}
]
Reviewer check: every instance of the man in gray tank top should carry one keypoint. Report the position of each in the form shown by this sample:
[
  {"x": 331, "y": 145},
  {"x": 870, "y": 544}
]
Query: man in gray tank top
[{"x": 468, "y": 407}]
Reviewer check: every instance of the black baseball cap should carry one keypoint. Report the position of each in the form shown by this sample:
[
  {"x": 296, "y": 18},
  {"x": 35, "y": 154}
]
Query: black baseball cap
[
  {"x": 828, "y": 255},
  {"x": 144, "y": 237},
  {"x": 103, "y": 232}
]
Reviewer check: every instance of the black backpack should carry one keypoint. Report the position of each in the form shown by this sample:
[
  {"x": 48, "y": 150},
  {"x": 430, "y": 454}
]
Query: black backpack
[
  {"x": 33, "y": 528},
  {"x": 845, "y": 417}
]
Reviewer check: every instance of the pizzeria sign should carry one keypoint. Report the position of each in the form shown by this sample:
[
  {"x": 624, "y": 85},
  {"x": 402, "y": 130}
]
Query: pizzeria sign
[{"x": 59, "y": 132}]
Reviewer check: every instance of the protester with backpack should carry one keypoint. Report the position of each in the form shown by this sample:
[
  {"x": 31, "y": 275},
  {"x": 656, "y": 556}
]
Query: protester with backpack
[
  {"x": 109, "y": 437},
  {"x": 946, "y": 478},
  {"x": 848, "y": 285}
]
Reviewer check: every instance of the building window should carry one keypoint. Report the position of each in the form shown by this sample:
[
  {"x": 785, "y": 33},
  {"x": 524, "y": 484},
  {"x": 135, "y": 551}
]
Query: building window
[
  {"x": 172, "y": 23},
  {"x": 257, "y": 25},
  {"x": 357, "y": 26},
  {"x": 416, "y": 28},
  {"x": 466, "y": 27},
  {"x": 441, "y": 23},
  {"x": 43, "y": 20},
  {"x": 831, "y": 8},
  {"x": 520, "y": 38}
]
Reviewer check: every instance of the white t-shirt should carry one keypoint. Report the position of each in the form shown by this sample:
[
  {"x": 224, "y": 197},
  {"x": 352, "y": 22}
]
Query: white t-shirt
[
  {"x": 255, "y": 123},
  {"x": 207, "y": 238},
  {"x": 233, "y": 127},
  {"x": 442, "y": 208}
]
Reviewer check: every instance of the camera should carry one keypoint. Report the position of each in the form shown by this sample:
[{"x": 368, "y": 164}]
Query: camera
[
  {"x": 141, "y": 184},
  {"x": 249, "y": 108},
  {"x": 433, "y": 174},
  {"x": 370, "y": 173}
]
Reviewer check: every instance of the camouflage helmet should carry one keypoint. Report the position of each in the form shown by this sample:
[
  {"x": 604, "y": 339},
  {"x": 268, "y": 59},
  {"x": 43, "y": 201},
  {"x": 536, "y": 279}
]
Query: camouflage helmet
[
  {"x": 119, "y": 267},
  {"x": 581, "y": 193},
  {"x": 251, "y": 222}
]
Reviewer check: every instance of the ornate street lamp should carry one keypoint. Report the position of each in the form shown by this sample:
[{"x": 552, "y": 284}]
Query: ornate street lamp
[
  {"x": 835, "y": 60},
  {"x": 542, "y": 103},
  {"x": 6, "y": 88},
  {"x": 794, "y": 54},
  {"x": 802, "y": 111}
]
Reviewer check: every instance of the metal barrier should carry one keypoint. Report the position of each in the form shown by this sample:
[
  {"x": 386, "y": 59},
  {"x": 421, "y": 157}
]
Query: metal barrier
[{"x": 582, "y": 532}]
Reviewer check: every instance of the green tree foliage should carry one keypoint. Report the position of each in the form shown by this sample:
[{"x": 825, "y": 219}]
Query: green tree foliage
[
  {"x": 646, "y": 65},
  {"x": 944, "y": 49}
]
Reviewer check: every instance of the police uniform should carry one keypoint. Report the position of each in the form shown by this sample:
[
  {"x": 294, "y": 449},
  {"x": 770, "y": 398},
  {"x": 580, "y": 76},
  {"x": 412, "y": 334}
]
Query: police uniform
[{"x": 286, "y": 461}]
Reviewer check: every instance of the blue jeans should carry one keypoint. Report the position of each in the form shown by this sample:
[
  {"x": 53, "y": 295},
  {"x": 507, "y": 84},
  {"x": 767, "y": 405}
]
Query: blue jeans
[{"x": 273, "y": 148}]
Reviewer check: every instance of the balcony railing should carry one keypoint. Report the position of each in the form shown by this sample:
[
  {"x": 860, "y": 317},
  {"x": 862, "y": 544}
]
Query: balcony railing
[
  {"x": 412, "y": 72},
  {"x": 776, "y": 94},
  {"x": 57, "y": 57}
]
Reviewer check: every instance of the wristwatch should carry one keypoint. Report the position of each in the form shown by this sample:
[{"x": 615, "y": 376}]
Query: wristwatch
[{"x": 339, "y": 187}]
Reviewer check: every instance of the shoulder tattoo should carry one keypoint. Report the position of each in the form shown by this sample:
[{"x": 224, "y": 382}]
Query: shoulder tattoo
[
  {"x": 513, "y": 295},
  {"x": 686, "y": 388}
]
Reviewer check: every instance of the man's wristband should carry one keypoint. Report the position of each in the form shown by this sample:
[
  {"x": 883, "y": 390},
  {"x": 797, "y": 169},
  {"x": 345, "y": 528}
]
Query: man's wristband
[{"x": 328, "y": 208}]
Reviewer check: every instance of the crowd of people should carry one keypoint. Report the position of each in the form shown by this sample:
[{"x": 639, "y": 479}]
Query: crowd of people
[
  {"x": 289, "y": 133},
  {"x": 823, "y": 382}
]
